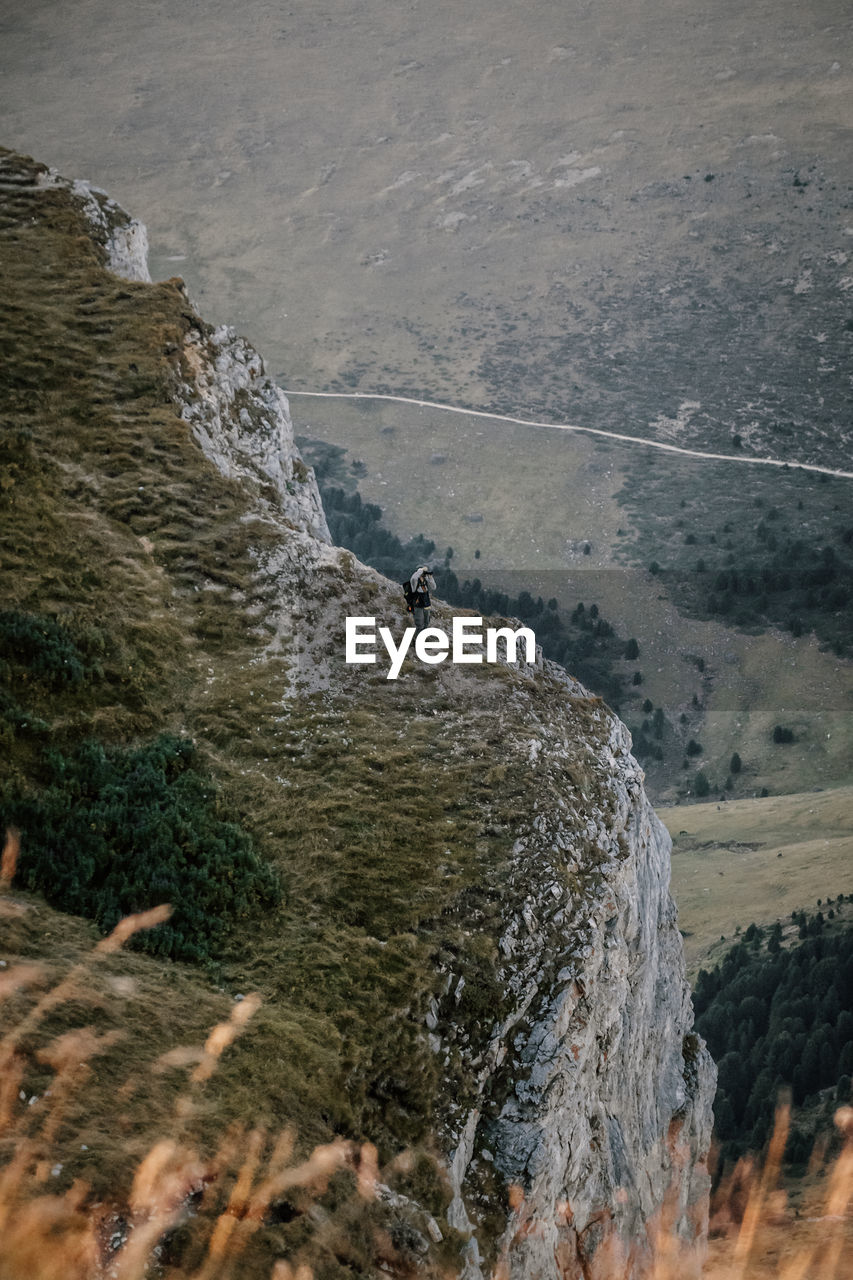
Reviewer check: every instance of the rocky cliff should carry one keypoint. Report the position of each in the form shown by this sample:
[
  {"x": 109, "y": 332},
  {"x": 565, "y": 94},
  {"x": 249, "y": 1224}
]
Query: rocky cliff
[{"x": 478, "y": 944}]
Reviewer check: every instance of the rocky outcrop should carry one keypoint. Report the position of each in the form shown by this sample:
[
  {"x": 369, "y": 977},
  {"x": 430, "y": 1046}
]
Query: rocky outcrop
[
  {"x": 593, "y": 1096},
  {"x": 241, "y": 419},
  {"x": 123, "y": 239},
  {"x": 239, "y": 416}
]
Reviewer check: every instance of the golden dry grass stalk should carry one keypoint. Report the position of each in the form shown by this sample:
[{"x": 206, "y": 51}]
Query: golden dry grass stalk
[
  {"x": 66, "y": 1236},
  {"x": 9, "y": 859},
  {"x": 63, "y": 1236}
]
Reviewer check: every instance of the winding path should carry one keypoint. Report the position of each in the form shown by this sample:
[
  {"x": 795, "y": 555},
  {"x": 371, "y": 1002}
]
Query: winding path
[{"x": 567, "y": 426}]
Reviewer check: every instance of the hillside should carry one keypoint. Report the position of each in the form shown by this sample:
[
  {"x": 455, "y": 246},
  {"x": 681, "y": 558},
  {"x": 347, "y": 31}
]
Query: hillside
[
  {"x": 646, "y": 537},
  {"x": 466, "y": 948},
  {"x": 755, "y": 860},
  {"x": 635, "y": 219}
]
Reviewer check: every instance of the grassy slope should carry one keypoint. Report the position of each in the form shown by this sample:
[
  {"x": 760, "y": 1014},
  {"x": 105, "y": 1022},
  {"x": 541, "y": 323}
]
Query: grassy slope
[
  {"x": 378, "y": 803},
  {"x": 756, "y": 860}
]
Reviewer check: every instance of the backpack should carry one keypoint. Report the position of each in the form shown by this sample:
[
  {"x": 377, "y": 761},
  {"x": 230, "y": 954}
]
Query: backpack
[{"x": 409, "y": 594}]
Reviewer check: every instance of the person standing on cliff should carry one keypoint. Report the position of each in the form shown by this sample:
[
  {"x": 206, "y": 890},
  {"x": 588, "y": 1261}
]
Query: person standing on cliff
[{"x": 421, "y": 583}]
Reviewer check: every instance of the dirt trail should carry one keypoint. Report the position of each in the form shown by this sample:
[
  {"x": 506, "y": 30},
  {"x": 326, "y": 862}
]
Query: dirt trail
[{"x": 570, "y": 426}]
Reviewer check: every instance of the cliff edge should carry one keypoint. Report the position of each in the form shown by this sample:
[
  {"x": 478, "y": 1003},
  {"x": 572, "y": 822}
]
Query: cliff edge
[{"x": 476, "y": 955}]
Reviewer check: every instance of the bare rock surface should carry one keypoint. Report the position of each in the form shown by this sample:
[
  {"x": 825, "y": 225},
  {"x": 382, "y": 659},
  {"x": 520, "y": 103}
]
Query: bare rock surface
[{"x": 241, "y": 419}]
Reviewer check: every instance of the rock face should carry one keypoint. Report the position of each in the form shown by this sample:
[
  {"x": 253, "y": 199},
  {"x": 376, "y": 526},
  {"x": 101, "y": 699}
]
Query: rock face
[
  {"x": 594, "y": 1095},
  {"x": 241, "y": 419},
  {"x": 124, "y": 239},
  {"x": 574, "y": 1079}
]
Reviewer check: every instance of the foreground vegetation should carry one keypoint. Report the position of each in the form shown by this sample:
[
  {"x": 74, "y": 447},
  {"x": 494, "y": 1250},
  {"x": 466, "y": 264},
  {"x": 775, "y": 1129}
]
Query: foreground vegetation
[
  {"x": 252, "y": 1204},
  {"x": 224, "y": 1207}
]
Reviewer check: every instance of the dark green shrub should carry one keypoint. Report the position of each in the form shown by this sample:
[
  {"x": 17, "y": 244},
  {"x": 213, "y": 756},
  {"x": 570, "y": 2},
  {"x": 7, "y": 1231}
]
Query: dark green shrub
[
  {"x": 40, "y": 649},
  {"x": 117, "y": 831}
]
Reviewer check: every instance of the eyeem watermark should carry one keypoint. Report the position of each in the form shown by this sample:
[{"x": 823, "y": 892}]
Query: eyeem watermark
[{"x": 464, "y": 644}]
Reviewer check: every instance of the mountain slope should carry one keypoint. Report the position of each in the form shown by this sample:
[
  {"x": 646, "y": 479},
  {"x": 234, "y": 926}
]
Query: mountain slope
[{"x": 475, "y": 953}]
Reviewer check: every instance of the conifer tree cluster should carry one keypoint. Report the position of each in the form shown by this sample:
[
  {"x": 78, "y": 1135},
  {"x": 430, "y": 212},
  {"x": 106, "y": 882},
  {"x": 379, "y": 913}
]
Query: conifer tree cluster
[
  {"x": 778, "y": 1017},
  {"x": 790, "y": 583},
  {"x": 115, "y": 831}
]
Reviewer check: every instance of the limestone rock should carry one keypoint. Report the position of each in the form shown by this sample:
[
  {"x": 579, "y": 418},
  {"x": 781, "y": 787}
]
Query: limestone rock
[
  {"x": 242, "y": 421},
  {"x": 124, "y": 239},
  {"x": 594, "y": 1097}
]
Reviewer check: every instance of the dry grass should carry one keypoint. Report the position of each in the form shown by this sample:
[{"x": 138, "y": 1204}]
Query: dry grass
[
  {"x": 757, "y": 1231},
  {"x": 221, "y": 1198},
  {"x": 112, "y": 521},
  {"x": 755, "y": 860},
  {"x": 196, "y": 1211},
  {"x": 762, "y": 1230}
]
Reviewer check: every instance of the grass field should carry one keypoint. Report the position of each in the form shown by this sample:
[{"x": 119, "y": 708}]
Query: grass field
[{"x": 756, "y": 860}]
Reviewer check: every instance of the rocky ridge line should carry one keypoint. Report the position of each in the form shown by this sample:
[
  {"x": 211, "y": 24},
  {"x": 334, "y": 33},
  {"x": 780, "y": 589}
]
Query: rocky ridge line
[{"x": 591, "y": 1093}]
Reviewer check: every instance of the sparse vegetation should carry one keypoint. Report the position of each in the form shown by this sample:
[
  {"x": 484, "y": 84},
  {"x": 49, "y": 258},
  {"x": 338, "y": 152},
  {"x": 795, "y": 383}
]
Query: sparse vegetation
[
  {"x": 792, "y": 568},
  {"x": 246, "y": 1202}
]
